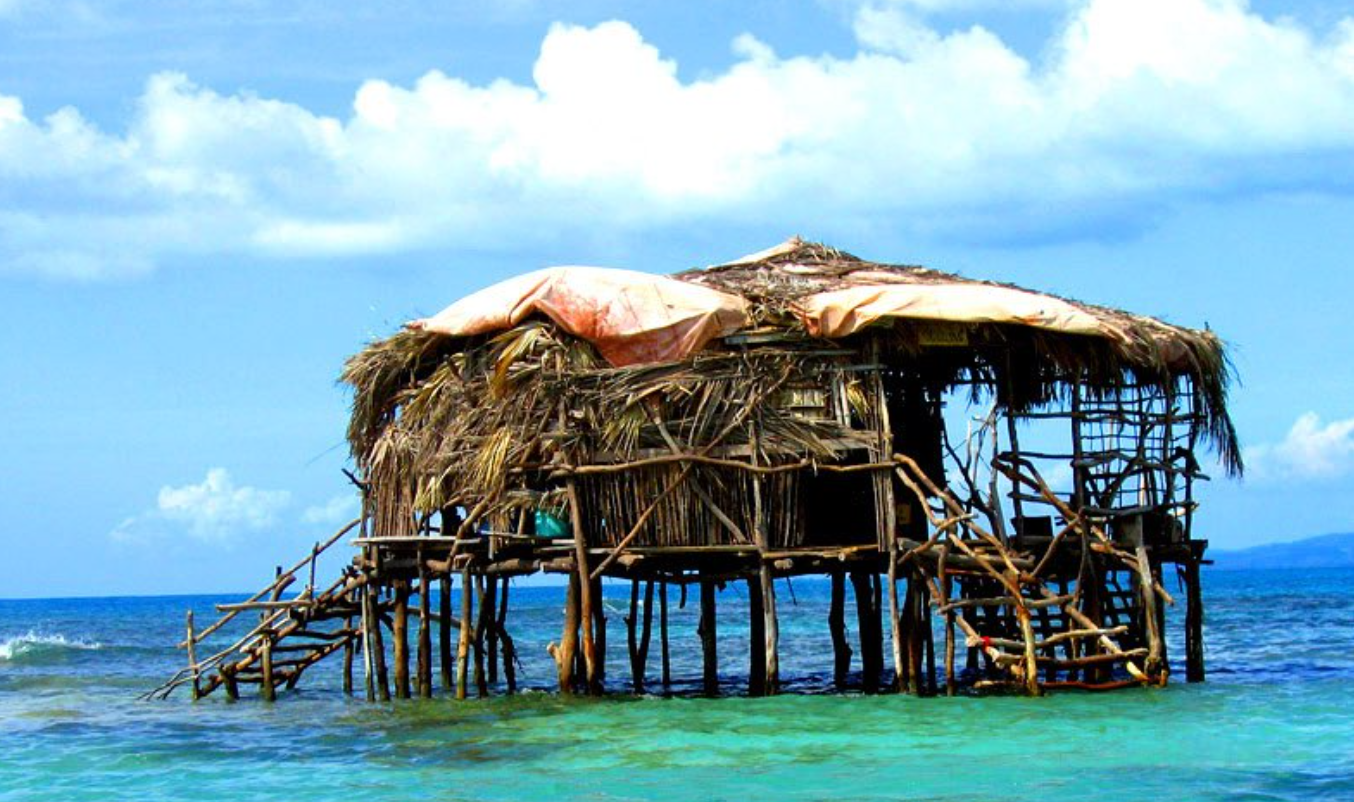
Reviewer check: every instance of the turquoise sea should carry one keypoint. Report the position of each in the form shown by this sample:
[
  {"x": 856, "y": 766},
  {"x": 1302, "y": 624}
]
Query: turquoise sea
[{"x": 1275, "y": 721}]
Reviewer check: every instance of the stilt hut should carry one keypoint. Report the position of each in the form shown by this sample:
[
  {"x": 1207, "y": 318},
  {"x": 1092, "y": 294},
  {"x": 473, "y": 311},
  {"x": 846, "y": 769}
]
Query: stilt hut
[{"x": 1001, "y": 474}]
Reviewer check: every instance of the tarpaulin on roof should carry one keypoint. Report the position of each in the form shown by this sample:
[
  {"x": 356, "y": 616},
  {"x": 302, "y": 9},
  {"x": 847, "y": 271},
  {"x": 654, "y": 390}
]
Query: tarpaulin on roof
[
  {"x": 631, "y": 317},
  {"x": 839, "y": 313}
]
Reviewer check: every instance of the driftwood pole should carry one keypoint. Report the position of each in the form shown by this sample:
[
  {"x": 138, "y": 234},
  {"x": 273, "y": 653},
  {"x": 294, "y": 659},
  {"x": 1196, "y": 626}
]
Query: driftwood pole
[
  {"x": 836, "y": 624},
  {"x": 425, "y": 645},
  {"x": 378, "y": 647},
  {"x": 399, "y": 631},
  {"x": 1194, "y": 623},
  {"x": 708, "y": 637},
  {"x": 267, "y": 689},
  {"x": 598, "y": 683},
  {"x": 585, "y": 587},
  {"x": 191, "y": 640},
  {"x": 664, "y": 655},
  {"x": 348, "y": 658},
  {"x": 756, "y": 638},
  {"x": 509, "y": 647},
  {"x": 444, "y": 659},
  {"x": 492, "y": 629},
  {"x": 950, "y": 681},
  {"x": 488, "y": 605},
  {"x": 463, "y": 642},
  {"x": 568, "y": 642},
  {"x": 867, "y": 622}
]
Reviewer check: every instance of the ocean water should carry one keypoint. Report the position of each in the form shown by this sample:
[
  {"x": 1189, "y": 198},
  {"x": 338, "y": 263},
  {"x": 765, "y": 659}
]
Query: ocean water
[{"x": 1275, "y": 721}]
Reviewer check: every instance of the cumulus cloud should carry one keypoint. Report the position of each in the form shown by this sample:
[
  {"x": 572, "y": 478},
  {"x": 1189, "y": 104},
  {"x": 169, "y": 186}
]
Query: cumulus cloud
[
  {"x": 1136, "y": 104},
  {"x": 337, "y": 510},
  {"x": 1311, "y": 450},
  {"x": 215, "y": 509}
]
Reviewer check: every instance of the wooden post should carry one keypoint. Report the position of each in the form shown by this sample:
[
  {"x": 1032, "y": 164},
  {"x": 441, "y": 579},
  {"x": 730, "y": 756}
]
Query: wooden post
[
  {"x": 909, "y": 680},
  {"x": 191, "y": 640},
  {"x": 871, "y": 656},
  {"x": 399, "y": 631},
  {"x": 425, "y": 636},
  {"x": 368, "y": 665},
  {"x": 509, "y": 648},
  {"x": 772, "y": 630},
  {"x": 585, "y": 587},
  {"x": 1194, "y": 623},
  {"x": 266, "y": 687},
  {"x": 836, "y": 624},
  {"x": 378, "y": 648},
  {"x": 463, "y": 643},
  {"x": 632, "y": 639},
  {"x": 488, "y": 605},
  {"x": 646, "y": 630},
  {"x": 928, "y": 640},
  {"x": 444, "y": 659},
  {"x": 756, "y": 638},
  {"x": 1147, "y": 596},
  {"x": 951, "y": 685},
  {"x": 708, "y": 637},
  {"x": 492, "y": 629},
  {"x": 597, "y": 684},
  {"x": 228, "y": 679},
  {"x": 666, "y": 659},
  {"x": 348, "y": 658},
  {"x": 568, "y": 644}
]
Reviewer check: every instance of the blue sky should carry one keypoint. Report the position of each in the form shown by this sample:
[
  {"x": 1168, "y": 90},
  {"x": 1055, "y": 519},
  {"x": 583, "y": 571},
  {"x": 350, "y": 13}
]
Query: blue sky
[{"x": 204, "y": 209}]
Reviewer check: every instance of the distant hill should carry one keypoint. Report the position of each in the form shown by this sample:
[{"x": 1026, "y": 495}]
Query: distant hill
[{"x": 1322, "y": 551}]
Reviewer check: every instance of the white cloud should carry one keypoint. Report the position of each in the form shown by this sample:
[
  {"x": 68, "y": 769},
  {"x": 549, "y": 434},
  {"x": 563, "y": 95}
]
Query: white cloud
[
  {"x": 1138, "y": 103},
  {"x": 1311, "y": 450},
  {"x": 213, "y": 510},
  {"x": 337, "y": 510}
]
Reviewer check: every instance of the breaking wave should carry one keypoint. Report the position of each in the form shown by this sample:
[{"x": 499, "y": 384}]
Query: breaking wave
[{"x": 33, "y": 643}]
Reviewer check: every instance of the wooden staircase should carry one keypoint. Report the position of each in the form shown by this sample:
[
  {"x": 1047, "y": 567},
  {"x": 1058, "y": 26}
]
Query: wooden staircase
[{"x": 290, "y": 635}]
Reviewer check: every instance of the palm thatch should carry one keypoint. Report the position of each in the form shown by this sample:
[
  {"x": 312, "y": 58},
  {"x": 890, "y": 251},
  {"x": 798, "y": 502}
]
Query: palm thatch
[{"x": 483, "y": 422}]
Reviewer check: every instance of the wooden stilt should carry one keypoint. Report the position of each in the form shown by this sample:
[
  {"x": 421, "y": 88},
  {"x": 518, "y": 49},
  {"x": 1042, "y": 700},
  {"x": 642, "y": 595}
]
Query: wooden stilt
[
  {"x": 425, "y": 643},
  {"x": 646, "y": 631},
  {"x": 232, "y": 687},
  {"x": 509, "y": 650},
  {"x": 586, "y": 614},
  {"x": 836, "y": 624},
  {"x": 463, "y": 642},
  {"x": 910, "y": 680},
  {"x": 348, "y": 659},
  {"x": 378, "y": 648},
  {"x": 568, "y": 645},
  {"x": 928, "y": 641},
  {"x": 632, "y": 639},
  {"x": 191, "y": 640},
  {"x": 756, "y": 638},
  {"x": 666, "y": 660},
  {"x": 491, "y": 630},
  {"x": 867, "y": 623},
  {"x": 772, "y": 630},
  {"x": 400, "y": 634},
  {"x": 708, "y": 637},
  {"x": 1194, "y": 623},
  {"x": 444, "y": 659},
  {"x": 486, "y": 607},
  {"x": 1147, "y": 598},
  {"x": 895, "y": 618},
  {"x": 597, "y": 684},
  {"x": 266, "y": 686},
  {"x": 951, "y": 683}
]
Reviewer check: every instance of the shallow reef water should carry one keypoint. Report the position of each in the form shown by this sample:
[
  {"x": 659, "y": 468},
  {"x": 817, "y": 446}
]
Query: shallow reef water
[{"x": 1273, "y": 722}]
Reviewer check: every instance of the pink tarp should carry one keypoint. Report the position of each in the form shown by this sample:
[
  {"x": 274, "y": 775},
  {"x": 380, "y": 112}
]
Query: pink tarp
[
  {"x": 631, "y": 317},
  {"x": 839, "y": 313}
]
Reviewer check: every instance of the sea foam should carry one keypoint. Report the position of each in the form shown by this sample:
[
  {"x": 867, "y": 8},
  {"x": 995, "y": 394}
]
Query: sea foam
[{"x": 15, "y": 647}]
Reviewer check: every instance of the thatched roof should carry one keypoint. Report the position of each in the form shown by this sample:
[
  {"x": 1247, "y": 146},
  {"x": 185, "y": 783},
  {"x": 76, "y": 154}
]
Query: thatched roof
[{"x": 443, "y": 408}]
